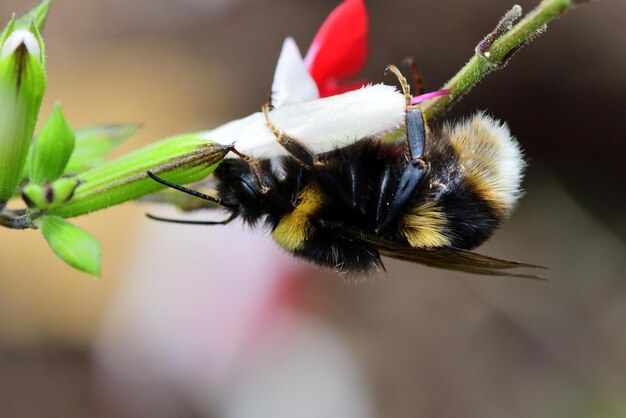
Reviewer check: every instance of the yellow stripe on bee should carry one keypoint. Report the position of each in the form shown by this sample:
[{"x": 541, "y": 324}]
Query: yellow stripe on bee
[
  {"x": 295, "y": 227},
  {"x": 424, "y": 227}
]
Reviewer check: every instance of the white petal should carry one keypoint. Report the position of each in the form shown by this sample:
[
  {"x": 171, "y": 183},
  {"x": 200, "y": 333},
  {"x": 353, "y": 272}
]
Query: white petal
[
  {"x": 17, "y": 38},
  {"x": 292, "y": 82},
  {"x": 322, "y": 125}
]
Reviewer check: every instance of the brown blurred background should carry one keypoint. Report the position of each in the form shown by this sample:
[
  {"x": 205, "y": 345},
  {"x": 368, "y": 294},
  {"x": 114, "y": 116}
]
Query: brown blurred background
[{"x": 425, "y": 343}]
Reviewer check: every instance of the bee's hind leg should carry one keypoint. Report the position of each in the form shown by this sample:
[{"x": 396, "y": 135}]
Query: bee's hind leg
[
  {"x": 294, "y": 147},
  {"x": 416, "y": 168},
  {"x": 406, "y": 89},
  {"x": 415, "y": 124}
]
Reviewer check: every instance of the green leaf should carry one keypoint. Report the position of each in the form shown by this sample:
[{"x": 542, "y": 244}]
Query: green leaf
[
  {"x": 22, "y": 84},
  {"x": 73, "y": 245},
  {"x": 95, "y": 142},
  {"x": 52, "y": 149}
]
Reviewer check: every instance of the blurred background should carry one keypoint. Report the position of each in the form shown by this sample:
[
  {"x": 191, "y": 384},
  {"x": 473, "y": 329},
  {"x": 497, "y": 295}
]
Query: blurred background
[{"x": 217, "y": 322}]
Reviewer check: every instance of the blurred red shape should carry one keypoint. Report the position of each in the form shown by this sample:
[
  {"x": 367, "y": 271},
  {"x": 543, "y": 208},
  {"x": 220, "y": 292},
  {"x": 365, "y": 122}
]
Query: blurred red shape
[{"x": 340, "y": 48}]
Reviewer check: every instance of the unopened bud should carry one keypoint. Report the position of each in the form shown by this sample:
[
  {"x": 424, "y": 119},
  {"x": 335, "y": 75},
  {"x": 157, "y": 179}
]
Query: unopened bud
[
  {"x": 22, "y": 84},
  {"x": 52, "y": 149}
]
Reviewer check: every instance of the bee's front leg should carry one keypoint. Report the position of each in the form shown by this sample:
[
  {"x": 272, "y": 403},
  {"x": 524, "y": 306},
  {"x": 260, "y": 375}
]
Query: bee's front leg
[
  {"x": 255, "y": 169},
  {"x": 294, "y": 147}
]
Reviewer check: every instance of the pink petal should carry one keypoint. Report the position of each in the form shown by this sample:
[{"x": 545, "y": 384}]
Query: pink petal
[
  {"x": 340, "y": 48},
  {"x": 427, "y": 96}
]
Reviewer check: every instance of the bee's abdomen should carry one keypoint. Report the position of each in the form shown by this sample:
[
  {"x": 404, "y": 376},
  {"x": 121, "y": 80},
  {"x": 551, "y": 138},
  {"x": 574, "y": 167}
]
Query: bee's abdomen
[
  {"x": 490, "y": 159},
  {"x": 474, "y": 184},
  {"x": 469, "y": 219}
]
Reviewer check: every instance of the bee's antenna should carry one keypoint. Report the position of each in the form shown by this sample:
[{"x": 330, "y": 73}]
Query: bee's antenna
[
  {"x": 189, "y": 222},
  {"x": 187, "y": 190}
]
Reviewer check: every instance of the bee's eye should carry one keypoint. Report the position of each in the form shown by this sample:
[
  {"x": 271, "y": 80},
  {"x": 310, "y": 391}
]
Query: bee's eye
[{"x": 248, "y": 188}]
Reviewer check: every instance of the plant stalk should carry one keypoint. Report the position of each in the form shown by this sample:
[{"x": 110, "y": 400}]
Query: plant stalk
[{"x": 496, "y": 56}]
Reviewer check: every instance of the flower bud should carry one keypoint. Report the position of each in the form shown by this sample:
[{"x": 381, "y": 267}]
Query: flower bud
[
  {"x": 49, "y": 195},
  {"x": 182, "y": 159},
  {"x": 22, "y": 84},
  {"x": 52, "y": 149},
  {"x": 34, "y": 196},
  {"x": 62, "y": 191}
]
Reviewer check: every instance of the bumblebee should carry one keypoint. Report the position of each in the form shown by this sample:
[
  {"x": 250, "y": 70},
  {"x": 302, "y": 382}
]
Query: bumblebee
[{"x": 429, "y": 197}]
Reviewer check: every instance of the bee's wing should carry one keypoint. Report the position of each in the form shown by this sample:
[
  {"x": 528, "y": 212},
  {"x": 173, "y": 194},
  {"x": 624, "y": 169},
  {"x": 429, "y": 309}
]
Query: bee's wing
[
  {"x": 457, "y": 259},
  {"x": 450, "y": 258}
]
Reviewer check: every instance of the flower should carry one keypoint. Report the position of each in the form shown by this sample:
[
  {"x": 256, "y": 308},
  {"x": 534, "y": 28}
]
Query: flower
[
  {"x": 339, "y": 49},
  {"x": 338, "y": 52},
  {"x": 313, "y": 98}
]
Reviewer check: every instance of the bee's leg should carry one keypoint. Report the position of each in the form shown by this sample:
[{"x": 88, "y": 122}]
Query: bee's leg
[
  {"x": 415, "y": 132},
  {"x": 415, "y": 125},
  {"x": 418, "y": 81},
  {"x": 307, "y": 159},
  {"x": 297, "y": 149},
  {"x": 406, "y": 90},
  {"x": 415, "y": 169},
  {"x": 256, "y": 169}
]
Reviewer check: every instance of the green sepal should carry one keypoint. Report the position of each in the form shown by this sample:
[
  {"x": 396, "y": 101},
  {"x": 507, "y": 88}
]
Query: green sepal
[
  {"x": 34, "y": 196},
  {"x": 94, "y": 143},
  {"x": 73, "y": 245},
  {"x": 62, "y": 190},
  {"x": 42, "y": 46},
  {"x": 49, "y": 195},
  {"x": 22, "y": 84},
  {"x": 52, "y": 149},
  {"x": 8, "y": 29},
  {"x": 37, "y": 15}
]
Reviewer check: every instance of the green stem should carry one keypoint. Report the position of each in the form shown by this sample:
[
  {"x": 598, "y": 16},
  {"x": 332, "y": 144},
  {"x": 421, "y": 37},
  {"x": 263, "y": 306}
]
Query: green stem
[{"x": 493, "y": 58}]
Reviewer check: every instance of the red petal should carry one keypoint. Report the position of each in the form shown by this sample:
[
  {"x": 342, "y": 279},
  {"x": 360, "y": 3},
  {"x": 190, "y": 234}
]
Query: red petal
[
  {"x": 332, "y": 87},
  {"x": 340, "y": 48}
]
